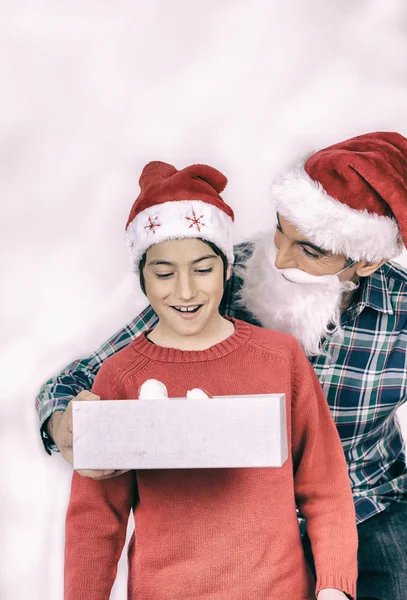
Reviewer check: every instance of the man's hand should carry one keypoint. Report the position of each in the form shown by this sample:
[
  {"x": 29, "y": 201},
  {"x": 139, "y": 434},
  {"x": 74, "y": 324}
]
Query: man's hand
[
  {"x": 60, "y": 430},
  {"x": 331, "y": 594}
]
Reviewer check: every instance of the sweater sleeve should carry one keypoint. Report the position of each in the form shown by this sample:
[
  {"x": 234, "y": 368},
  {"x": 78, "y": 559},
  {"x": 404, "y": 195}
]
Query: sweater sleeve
[
  {"x": 96, "y": 522},
  {"x": 322, "y": 488}
]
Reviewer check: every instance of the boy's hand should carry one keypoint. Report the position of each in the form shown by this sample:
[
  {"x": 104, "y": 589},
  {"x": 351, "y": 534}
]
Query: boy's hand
[
  {"x": 60, "y": 430},
  {"x": 331, "y": 594}
]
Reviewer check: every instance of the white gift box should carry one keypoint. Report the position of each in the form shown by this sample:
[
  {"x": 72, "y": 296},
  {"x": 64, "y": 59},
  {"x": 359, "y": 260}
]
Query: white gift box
[{"x": 180, "y": 433}]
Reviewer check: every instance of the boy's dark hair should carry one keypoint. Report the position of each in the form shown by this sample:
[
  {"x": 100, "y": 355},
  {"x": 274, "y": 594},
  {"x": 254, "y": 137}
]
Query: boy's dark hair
[{"x": 212, "y": 246}]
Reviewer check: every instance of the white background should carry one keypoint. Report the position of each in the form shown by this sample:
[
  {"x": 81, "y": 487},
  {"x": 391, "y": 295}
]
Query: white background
[{"x": 91, "y": 91}]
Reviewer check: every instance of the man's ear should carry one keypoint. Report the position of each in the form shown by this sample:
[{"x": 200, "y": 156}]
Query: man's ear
[{"x": 364, "y": 268}]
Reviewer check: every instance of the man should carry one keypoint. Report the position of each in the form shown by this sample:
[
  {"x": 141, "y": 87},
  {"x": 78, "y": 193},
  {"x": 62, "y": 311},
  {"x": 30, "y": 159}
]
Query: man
[{"x": 324, "y": 277}]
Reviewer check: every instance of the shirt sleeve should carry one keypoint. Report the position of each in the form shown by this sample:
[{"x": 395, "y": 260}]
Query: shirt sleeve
[
  {"x": 322, "y": 487},
  {"x": 79, "y": 375},
  {"x": 96, "y": 522}
]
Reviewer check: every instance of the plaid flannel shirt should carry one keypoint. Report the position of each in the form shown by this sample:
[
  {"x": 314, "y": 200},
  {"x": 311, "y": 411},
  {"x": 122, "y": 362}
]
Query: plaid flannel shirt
[{"x": 364, "y": 378}]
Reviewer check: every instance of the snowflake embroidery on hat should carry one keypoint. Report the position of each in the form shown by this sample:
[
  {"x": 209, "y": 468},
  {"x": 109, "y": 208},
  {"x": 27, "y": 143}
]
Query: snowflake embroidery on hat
[
  {"x": 195, "y": 221},
  {"x": 152, "y": 224}
]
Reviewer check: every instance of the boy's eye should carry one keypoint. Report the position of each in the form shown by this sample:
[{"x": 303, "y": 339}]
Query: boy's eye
[
  {"x": 163, "y": 275},
  {"x": 204, "y": 270}
]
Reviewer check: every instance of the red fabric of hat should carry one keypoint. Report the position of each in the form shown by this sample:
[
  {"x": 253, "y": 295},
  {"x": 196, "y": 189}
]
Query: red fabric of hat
[
  {"x": 351, "y": 197},
  {"x": 176, "y": 204}
]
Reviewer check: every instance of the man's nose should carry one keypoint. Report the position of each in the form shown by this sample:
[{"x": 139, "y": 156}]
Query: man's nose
[
  {"x": 185, "y": 287},
  {"x": 285, "y": 258}
]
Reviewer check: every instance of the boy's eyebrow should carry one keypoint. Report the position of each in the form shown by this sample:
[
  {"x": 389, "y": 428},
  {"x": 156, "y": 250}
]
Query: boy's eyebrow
[
  {"x": 197, "y": 260},
  {"x": 171, "y": 264},
  {"x": 310, "y": 244},
  {"x": 160, "y": 262}
]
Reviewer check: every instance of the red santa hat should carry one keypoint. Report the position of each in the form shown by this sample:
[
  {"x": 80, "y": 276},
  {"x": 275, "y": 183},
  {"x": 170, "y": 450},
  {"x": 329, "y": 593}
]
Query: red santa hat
[
  {"x": 350, "y": 198},
  {"x": 176, "y": 204}
]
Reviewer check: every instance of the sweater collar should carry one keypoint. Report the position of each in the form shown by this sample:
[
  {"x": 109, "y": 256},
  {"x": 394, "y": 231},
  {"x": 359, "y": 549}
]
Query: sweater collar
[{"x": 240, "y": 336}]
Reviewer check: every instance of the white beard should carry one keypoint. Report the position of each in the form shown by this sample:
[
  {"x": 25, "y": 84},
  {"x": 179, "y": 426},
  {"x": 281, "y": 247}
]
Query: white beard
[{"x": 309, "y": 312}]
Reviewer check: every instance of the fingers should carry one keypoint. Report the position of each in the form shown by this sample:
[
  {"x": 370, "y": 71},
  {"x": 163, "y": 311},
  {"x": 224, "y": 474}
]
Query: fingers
[
  {"x": 60, "y": 430},
  {"x": 100, "y": 475},
  {"x": 65, "y": 427},
  {"x": 331, "y": 594},
  {"x": 95, "y": 474},
  {"x": 64, "y": 432},
  {"x": 66, "y": 422},
  {"x": 83, "y": 395},
  {"x": 86, "y": 395},
  {"x": 63, "y": 437},
  {"x": 152, "y": 389},
  {"x": 197, "y": 394},
  {"x": 61, "y": 424},
  {"x": 67, "y": 453}
]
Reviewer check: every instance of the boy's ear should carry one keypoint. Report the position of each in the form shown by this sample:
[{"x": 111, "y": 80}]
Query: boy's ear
[{"x": 365, "y": 268}]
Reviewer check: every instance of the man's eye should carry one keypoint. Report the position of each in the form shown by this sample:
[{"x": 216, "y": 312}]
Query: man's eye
[
  {"x": 278, "y": 228},
  {"x": 163, "y": 275},
  {"x": 309, "y": 254}
]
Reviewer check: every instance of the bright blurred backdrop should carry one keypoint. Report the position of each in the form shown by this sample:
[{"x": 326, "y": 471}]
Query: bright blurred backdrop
[{"x": 90, "y": 92}]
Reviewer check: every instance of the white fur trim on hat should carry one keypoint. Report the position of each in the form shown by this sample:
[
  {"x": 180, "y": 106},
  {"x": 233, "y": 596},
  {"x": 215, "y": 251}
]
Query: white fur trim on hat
[
  {"x": 177, "y": 220},
  {"x": 332, "y": 225}
]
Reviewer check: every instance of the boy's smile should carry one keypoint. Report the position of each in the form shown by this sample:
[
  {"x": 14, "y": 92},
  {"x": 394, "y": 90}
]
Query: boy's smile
[{"x": 187, "y": 312}]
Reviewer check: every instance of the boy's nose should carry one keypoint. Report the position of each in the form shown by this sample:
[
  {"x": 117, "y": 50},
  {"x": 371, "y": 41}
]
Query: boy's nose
[{"x": 186, "y": 288}]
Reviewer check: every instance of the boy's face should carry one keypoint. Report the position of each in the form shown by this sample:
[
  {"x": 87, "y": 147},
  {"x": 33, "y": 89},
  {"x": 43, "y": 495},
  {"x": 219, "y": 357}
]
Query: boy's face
[{"x": 184, "y": 285}]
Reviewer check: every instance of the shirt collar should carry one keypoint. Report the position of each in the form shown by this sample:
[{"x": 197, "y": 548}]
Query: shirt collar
[{"x": 374, "y": 294}]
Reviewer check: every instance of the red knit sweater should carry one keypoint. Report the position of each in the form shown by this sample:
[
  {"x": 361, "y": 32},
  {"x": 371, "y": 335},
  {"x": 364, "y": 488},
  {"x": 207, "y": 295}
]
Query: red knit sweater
[{"x": 219, "y": 534}]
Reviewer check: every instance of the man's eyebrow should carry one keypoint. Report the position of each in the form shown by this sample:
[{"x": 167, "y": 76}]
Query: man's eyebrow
[
  {"x": 314, "y": 247},
  {"x": 171, "y": 264},
  {"x": 304, "y": 243}
]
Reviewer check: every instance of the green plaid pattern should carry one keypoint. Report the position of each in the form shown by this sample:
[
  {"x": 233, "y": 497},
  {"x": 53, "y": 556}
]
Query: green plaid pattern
[{"x": 364, "y": 378}]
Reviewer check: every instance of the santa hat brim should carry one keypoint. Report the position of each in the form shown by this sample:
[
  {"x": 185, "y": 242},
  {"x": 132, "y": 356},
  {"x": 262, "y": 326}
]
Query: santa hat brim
[
  {"x": 183, "y": 219},
  {"x": 333, "y": 225}
]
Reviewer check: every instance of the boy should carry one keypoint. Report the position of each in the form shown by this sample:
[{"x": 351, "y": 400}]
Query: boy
[{"x": 212, "y": 534}]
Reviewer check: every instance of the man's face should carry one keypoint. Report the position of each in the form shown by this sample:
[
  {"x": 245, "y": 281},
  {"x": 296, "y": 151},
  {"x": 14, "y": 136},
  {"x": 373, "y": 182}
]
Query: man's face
[
  {"x": 295, "y": 251},
  {"x": 308, "y": 311}
]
